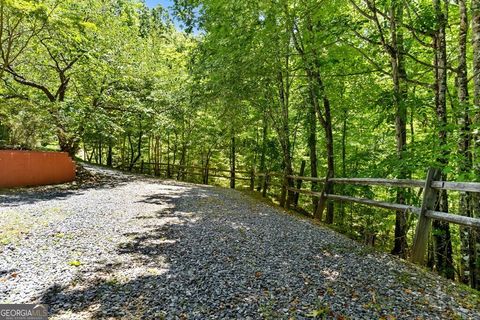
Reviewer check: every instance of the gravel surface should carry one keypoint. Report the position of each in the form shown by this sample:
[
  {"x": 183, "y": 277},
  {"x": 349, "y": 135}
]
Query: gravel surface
[{"x": 143, "y": 248}]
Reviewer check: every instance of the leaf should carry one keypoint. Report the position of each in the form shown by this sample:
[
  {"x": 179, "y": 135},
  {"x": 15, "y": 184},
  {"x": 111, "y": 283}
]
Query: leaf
[{"x": 75, "y": 263}]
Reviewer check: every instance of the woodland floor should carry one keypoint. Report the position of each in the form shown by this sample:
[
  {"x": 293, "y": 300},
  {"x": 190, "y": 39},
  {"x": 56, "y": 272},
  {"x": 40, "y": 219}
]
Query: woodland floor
[{"x": 132, "y": 247}]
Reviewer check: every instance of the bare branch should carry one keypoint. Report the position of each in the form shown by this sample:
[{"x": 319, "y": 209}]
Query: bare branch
[{"x": 20, "y": 79}]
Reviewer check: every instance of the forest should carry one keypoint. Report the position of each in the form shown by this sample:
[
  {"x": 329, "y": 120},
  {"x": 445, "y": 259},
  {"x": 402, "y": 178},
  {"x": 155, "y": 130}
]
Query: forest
[{"x": 349, "y": 88}]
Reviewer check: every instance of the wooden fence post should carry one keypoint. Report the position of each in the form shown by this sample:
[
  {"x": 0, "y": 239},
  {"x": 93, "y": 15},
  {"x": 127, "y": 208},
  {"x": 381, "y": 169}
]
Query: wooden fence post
[
  {"x": 299, "y": 184},
  {"x": 266, "y": 182},
  {"x": 252, "y": 179},
  {"x": 424, "y": 223}
]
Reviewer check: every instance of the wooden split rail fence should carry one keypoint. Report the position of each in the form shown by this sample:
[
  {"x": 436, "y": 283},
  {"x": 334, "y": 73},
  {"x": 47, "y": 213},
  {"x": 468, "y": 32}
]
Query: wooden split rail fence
[
  {"x": 431, "y": 187},
  {"x": 183, "y": 172}
]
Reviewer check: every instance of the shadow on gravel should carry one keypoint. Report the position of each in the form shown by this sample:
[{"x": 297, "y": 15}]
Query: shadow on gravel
[
  {"x": 192, "y": 265},
  {"x": 140, "y": 290},
  {"x": 25, "y": 196},
  {"x": 19, "y": 198},
  {"x": 230, "y": 261}
]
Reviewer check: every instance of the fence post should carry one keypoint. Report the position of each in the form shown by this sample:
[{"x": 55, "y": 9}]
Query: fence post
[
  {"x": 252, "y": 179},
  {"x": 424, "y": 223},
  {"x": 266, "y": 182},
  {"x": 142, "y": 164}
]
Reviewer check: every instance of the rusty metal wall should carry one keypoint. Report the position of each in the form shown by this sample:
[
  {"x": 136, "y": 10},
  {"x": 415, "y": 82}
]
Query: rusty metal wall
[{"x": 34, "y": 168}]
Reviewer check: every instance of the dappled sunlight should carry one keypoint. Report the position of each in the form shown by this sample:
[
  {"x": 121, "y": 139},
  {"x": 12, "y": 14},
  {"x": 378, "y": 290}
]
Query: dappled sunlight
[
  {"x": 145, "y": 262},
  {"x": 329, "y": 274},
  {"x": 242, "y": 227},
  {"x": 188, "y": 250},
  {"x": 311, "y": 117}
]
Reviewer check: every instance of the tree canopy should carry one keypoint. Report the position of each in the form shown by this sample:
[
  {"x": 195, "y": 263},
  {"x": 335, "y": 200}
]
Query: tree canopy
[{"x": 355, "y": 88}]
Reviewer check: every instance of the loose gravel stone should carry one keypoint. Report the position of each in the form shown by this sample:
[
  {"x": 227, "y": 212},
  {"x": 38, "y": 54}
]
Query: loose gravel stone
[{"x": 133, "y": 247}]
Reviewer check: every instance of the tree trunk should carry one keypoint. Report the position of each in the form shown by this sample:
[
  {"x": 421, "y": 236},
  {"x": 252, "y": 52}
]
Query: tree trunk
[
  {"x": 283, "y": 131},
  {"x": 264, "y": 147},
  {"x": 465, "y": 156},
  {"x": 232, "y": 161},
  {"x": 124, "y": 141},
  {"x": 174, "y": 160},
  {"x": 110, "y": 153},
  {"x": 399, "y": 76},
  {"x": 330, "y": 157},
  {"x": 344, "y": 161},
  {"x": 299, "y": 184},
  {"x": 169, "y": 172},
  {"x": 441, "y": 230},
  {"x": 317, "y": 94},
  {"x": 100, "y": 151},
  {"x": 134, "y": 158},
  {"x": 132, "y": 152},
  {"x": 317, "y": 91},
  {"x": 312, "y": 150},
  {"x": 475, "y": 276},
  {"x": 67, "y": 144},
  {"x": 157, "y": 153}
]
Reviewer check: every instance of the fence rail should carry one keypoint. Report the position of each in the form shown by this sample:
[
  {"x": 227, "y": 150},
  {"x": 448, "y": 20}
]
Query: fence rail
[
  {"x": 431, "y": 187},
  {"x": 171, "y": 170},
  {"x": 291, "y": 188}
]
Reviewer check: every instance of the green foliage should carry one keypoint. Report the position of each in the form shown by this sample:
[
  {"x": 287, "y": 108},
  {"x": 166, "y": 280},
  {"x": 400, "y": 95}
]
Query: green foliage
[
  {"x": 75, "y": 263},
  {"x": 116, "y": 83}
]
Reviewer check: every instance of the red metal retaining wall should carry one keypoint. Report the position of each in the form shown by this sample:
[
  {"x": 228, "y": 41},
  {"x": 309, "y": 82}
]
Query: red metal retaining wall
[{"x": 34, "y": 168}]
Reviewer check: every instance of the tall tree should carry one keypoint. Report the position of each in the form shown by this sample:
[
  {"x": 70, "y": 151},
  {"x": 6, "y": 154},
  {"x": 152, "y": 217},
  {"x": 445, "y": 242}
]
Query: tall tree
[
  {"x": 442, "y": 236},
  {"x": 475, "y": 277},
  {"x": 391, "y": 40}
]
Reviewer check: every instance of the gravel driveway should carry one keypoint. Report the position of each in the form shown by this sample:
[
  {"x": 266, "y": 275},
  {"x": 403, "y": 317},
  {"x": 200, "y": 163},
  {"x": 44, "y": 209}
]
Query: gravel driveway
[{"x": 152, "y": 249}]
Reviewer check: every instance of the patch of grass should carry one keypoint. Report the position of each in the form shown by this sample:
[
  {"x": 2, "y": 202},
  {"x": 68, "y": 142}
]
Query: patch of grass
[
  {"x": 13, "y": 227},
  {"x": 468, "y": 297},
  {"x": 243, "y": 232},
  {"x": 61, "y": 235},
  {"x": 267, "y": 309},
  {"x": 404, "y": 278},
  {"x": 112, "y": 282},
  {"x": 322, "y": 311},
  {"x": 75, "y": 263},
  {"x": 209, "y": 201}
]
